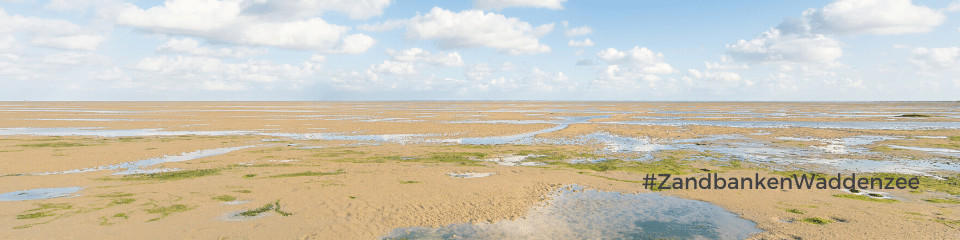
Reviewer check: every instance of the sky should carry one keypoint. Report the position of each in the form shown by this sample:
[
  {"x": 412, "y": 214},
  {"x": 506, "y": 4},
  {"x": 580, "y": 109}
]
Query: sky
[{"x": 573, "y": 50}]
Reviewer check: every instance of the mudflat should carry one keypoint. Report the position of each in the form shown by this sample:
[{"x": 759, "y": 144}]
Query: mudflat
[{"x": 371, "y": 170}]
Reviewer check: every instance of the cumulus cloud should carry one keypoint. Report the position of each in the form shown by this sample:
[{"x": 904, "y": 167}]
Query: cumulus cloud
[
  {"x": 193, "y": 47},
  {"x": 473, "y": 28},
  {"x": 246, "y": 23},
  {"x": 936, "y": 58},
  {"x": 584, "y": 43},
  {"x": 808, "y": 40},
  {"x": 634, "y": 64},
  {"x": 45, "y": 32},
  {"x": 501, "y": 4},
  {"x": 723, "y": 76},
  {"x": 774, "y": 46},
  {"x": 577, "y": 31},
  {"x": 355, "y": 9},
  {"x": 167, "y": 72},
  {"x": 873, "y": 17},
  {"x": 419, "y": 55},
  {"x": 394, "y": 67}
]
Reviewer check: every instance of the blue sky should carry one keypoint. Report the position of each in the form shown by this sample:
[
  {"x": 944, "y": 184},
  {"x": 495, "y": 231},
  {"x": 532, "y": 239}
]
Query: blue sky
[{"x": 480, "y": 50}]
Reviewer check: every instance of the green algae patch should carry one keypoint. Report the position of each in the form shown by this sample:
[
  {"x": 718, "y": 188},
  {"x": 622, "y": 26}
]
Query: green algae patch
[
  {"x": 308, "y": 174},
  {"x": 166, "y": 176},
  {"x": 794, "y": 210},
  {"x": 165, "y": 211},
  {"x": 275, "y": 206},
  {"x": 817, "y": 221},
  {"x": 225, "y": 198},
  {"x": 865, "y": 198},
  {"x": 942, "y": 200}
]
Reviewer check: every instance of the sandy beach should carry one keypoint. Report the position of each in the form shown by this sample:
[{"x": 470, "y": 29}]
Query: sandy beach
[{"x": 372, "y": 170}]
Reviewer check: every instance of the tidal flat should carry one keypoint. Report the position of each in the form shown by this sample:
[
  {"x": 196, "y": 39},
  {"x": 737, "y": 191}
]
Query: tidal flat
[{"x": 474, "y": 170}]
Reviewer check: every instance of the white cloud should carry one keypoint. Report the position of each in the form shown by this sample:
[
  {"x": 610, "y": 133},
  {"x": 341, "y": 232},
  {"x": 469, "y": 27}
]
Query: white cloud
[
  {"x": 214, "y": 74},
  {"x": 637, "y": 64},
  {"x": 236, "y": 22},
  {"x": 74, "y": 42},
  {"x": 936, "y": 58},
  {"x": 192, "y": 47},
  {"x": 474, "y": 28},
  {"x": 355, "y": 9},
  {"x": 45, "y": 32},
  {"x": 394, "y": 67},
  {"x": 723, "y": 76},
  {"x": 76, "y": 58},
  {"x": 577, "y": 31},
  {"x": 874, "y": 17},
  {"x": 584, "y": 43},
  {"x": 501, "y": 4},
  {"x": 773, "y": 46},
  {"x": 419, "y": 55}
]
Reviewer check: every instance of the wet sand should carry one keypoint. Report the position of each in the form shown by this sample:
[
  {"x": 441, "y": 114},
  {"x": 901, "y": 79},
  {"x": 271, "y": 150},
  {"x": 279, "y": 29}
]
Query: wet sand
[{"x": 362, "y": 170}]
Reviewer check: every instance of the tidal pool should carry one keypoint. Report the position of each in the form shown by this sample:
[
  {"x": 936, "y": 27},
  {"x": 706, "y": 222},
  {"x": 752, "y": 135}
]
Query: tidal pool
[
  {"x": 137, "y": 167},
  {"x": 575, "y": 213},
  {"x": 39, "y": 193}
]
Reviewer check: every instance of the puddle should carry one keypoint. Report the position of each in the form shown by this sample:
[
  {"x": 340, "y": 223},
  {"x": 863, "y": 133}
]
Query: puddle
[
  {"x": 940, "y": 151},
  {"x": 469, "y": 175},
  {"x": 527, "y": 137},
  {"x": 786, "y": 124},
  {"x": 137, "y": 167},
  {"x": 883, "y": 195},
  {"x": 235, "y": 202},
  {"x": 590, "y": 214},
  {"x": 511, "y": 160},
  {"x": 842, "y": 145},
  {"x": 39, "y": 193},
  {"x": 912, "y": 167},
  {"x": 235, "y": 216}
]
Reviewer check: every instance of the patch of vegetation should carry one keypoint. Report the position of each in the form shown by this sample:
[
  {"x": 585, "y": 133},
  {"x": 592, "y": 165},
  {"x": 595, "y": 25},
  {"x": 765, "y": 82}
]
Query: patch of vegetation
[
  {"x": 955, "y": 138},
  {"x": 794, "y": 210},
  {"x": 115, "y": 195},
  {"x": 277, "y": 209},
  {"x": 121, "y": 215},
  {"x": 668, "y": 165},
  {"x": 178, "y": 175},
  {"x": 817, "y": 221},
  {"x": 854, "y": 190},
  {"x": 338, "y": 153},
  {"x": 948, "y": 222},
  {"x": 35, "y": 215},
  {"x": 275, "y": 206},
  {"x": 915, "y": 115},
  {"x": 408, "y": 182},
  {"x": 225, "y": 198},
  {"x": 865, "y": 198},
  {"x": 123, "y": 201},
  {"x": 249, "y": 175},
  {"x": 942, "y": 200},
  {"x": 352, "y": 197},
  {"x": 55, "y": 144},
  {"x": 950, "y": 184},
  {"x": 243, "y": 191},
  {"x": 461, "y": 158},
  {"x": 309, "y": 173},
  {"x": 167, "y": 210},
  {"x": 258, "y": 211},
  {"x": 875, "y": 194},
  {"x": 51, "y": 206}
]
